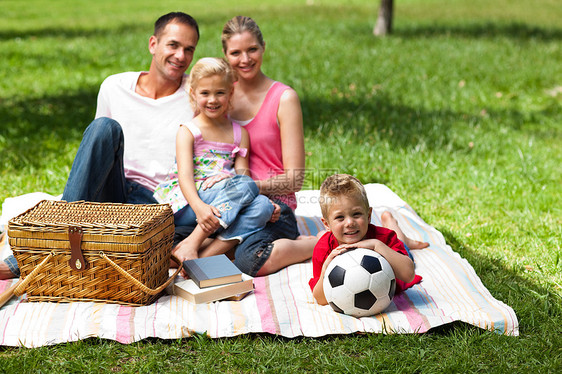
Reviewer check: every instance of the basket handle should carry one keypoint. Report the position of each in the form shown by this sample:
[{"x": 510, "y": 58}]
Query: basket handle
[
  {"x": 7, "y": 295},
  {"x": 136, "y": 282},
  {"x": 22, "y": 285}
]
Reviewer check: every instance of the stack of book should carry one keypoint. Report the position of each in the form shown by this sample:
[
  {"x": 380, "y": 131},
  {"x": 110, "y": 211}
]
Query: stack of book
[{"x": 213, "y": 278}]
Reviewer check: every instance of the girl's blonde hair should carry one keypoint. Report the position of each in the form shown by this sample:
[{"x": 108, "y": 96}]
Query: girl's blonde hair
[
  {"x": 238, "y": 25},
  {"x": 207, "y": 67}
]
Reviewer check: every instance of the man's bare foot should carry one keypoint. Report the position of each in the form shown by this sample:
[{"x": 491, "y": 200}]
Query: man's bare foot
[
  {"x": 390, "y": 222},
  {"x": 5, "y": 272}
]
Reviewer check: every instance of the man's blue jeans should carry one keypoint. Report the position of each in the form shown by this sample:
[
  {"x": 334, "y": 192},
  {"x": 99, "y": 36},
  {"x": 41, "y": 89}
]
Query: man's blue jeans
[{"x": 97, "y": 173}]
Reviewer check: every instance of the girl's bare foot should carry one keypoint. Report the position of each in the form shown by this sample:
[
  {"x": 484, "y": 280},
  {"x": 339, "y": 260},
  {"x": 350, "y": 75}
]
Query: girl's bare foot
[
  {"x": 390, "y": 222},
  {"x": 185, "y": 251}
]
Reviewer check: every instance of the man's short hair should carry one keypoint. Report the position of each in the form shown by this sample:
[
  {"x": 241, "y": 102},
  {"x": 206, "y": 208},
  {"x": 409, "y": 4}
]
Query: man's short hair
[
  {"x": 339, "y": 185},
  {"x": 177, "y": 17}
]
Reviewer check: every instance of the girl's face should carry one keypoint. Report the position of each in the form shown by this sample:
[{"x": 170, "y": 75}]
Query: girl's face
[
  {"x": 212, "y": 96},
  {"x": 244, "y": 54}
]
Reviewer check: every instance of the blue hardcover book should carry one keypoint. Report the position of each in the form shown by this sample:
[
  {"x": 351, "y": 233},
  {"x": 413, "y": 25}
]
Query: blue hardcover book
[{"x": 212, "y": 271}]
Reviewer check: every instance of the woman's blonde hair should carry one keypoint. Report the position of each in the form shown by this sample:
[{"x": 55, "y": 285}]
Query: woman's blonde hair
[
  {"x": 238, "y": 25},
  {"x": 207, "y": 67}
]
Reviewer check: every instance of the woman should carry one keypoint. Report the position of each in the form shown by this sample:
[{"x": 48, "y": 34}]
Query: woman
[{"x": 271, "y": 113}]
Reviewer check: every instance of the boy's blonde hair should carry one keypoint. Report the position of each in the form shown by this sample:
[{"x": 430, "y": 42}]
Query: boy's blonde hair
[
  {"x": 207, "y": 67},
  {"x": 338, "y": 185}
]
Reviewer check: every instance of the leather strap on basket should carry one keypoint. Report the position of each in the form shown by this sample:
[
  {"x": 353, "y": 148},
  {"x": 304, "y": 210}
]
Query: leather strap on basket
[
  {"x": 136, "y": 282},
  {"x": 77, "y": 261}
]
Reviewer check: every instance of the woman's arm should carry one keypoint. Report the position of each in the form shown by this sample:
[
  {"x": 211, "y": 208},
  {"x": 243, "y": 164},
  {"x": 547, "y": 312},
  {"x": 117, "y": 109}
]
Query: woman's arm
[
  {"x": 290, "y": 120},
  {"x": 206, "y": 214}
]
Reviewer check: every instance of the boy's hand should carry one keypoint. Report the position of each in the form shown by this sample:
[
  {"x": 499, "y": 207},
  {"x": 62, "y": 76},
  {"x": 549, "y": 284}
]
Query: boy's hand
[
  {"x": 346, "y": 247},
  {"x": 336, "y": 252},
  {"x": 402, "y": 266},
  {"x": 369, "y": 244},
  {"x": 318, "y": 291}
]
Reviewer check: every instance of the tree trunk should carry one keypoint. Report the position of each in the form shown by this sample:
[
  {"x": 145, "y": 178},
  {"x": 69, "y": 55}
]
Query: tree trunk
[{"x": 384, "y": 20}]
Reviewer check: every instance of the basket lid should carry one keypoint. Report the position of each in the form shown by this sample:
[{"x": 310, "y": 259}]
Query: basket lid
[{"x": 136, "y": 217}]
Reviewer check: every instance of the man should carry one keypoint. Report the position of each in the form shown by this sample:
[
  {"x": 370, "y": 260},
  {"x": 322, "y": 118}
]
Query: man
[{"x": 129, "y": 147}]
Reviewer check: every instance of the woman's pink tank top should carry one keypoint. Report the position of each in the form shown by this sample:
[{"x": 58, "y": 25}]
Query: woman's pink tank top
[{"x": 266, "y": 158}]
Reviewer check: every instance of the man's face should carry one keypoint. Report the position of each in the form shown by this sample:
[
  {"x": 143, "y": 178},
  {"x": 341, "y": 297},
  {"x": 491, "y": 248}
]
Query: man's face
[{"x": 172, "y": 51}]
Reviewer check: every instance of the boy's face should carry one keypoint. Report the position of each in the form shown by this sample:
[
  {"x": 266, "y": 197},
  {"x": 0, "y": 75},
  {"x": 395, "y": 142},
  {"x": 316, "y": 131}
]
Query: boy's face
[{"x": 348, "y": 220}]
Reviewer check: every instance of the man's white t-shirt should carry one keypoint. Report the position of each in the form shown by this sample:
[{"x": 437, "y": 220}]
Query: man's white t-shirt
[{"x": 149, "y": 126}]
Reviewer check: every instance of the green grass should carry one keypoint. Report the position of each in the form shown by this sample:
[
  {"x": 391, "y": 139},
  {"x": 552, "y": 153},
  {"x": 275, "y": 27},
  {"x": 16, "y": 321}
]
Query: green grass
[{"x": 459, "y": 112}]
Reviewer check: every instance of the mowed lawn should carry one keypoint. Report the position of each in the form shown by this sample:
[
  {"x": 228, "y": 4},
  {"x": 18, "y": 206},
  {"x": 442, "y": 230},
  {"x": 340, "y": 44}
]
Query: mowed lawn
[{"x": 458, "y": 111}]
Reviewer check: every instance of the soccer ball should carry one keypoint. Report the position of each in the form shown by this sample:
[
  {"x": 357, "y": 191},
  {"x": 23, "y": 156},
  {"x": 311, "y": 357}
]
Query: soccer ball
[{"x": 359, "y": 282}]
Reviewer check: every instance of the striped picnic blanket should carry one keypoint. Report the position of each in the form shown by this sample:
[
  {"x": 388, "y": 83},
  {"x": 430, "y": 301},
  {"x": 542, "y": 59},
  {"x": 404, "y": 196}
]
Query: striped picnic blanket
[{"x": 282, "y": 303}]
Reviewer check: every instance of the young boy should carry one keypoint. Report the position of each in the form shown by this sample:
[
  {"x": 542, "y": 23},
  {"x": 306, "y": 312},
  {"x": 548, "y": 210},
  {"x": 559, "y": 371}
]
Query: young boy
[{"x": 346, "y": 216}]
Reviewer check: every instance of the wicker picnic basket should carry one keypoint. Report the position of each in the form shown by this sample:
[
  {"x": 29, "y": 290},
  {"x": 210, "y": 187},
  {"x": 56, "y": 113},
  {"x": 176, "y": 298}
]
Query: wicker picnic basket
[{"x": 83, "y": 251}]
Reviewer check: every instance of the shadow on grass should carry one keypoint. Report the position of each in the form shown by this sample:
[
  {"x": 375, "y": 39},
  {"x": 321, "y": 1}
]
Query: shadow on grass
[
  {"x": 535, "y": 306},
  {"x": 75, "y": 32},
  {"x": 50, "y": 121},
  {"x": 514, "y": 30},
  {"x": 44, "y": 125},
  {"x": 406, "y": 126},
  {"x": 213, "y": 22}
]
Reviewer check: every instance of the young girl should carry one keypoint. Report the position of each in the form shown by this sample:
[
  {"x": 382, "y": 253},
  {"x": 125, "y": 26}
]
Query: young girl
[{"x": 209, "y": 147}]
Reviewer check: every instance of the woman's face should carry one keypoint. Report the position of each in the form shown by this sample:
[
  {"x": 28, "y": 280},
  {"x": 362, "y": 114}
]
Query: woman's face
[{"x": 244, "y": 54}]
